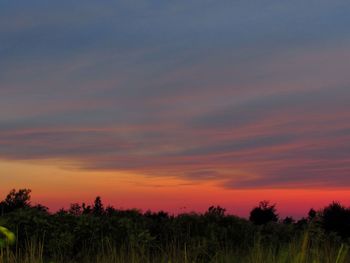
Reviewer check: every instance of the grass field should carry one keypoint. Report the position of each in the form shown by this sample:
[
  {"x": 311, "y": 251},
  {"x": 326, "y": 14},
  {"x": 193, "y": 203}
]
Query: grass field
[{"x": 301, "y": 250}]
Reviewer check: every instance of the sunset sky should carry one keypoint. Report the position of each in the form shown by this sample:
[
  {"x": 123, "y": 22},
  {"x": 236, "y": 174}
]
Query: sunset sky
[{"x": 176, "y": 105}]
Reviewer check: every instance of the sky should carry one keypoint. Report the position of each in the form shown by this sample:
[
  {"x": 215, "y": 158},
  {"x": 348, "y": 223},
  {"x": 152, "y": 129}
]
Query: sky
[{"x": 176, "y": 105}]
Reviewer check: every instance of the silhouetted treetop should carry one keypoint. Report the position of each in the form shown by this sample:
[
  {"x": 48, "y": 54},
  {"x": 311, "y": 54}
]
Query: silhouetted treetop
[
  {"x": 215, "y": 211},
  {"x": 16, "y": 200},
  {"x": 75, "y": 209},
  {"x": 263, "y": 213},
  {"x": 288, "y": 220},
  {"x": 336, "y": 218},
  {"x": 312, "y": 214},
  {"x": 98, "y": 209}
]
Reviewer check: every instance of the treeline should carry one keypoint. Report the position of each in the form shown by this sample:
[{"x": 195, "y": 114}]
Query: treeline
[{"x": 85, "y": 230}]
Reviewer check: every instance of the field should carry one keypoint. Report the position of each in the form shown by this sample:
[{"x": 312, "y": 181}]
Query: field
[{"x": 298, "y": 251}]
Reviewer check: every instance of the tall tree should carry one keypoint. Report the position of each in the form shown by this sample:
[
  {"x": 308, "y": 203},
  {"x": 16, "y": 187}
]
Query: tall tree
[{"x": 98, "y": 209}]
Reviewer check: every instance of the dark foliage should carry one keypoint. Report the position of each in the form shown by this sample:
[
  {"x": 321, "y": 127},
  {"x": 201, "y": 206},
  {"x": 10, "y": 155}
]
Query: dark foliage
[
  {"x": 264, "y": 213},
  {"x": 98, "y": 209},
  {"x": 336, "y": 218},
  {"x": 15, "y": 200},
  {"x": 288, "y": 220},
  {"x": 68, "y": 234},
  {"x": 312, "y": 214}
]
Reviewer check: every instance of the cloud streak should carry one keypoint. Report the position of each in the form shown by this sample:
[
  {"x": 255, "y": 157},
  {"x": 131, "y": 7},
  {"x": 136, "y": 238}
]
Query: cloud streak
[{"x": 249, "y": 96}]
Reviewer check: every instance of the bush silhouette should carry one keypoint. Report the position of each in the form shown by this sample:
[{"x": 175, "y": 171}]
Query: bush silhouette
[
  {"x": 336, "y": 218},
  {"x": 288, "y": 220},
  {"x": 312, "y": 214},
  {"x": 215, "y": 211},
  {"x": 264, "y": 213}
]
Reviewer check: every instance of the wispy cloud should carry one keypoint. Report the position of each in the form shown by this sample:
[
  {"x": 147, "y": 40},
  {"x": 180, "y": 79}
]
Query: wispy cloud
[{"x": 249, "y": 95}]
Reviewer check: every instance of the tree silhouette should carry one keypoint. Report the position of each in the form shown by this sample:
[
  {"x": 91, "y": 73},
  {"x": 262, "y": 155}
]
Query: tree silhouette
[
  {"x": 312, "y": 214},
  {"x": 336, "y": 218},
  {"x": 75, "y": 209},
  {"x": 263, "y": 213},
  {"x": 288, "y": 220},
  {"x": 86, "y": 209},
  {"x": 98, "y": 209},
  {"x": 215, "y": 211},
  {"x": 16, "y": 200}
]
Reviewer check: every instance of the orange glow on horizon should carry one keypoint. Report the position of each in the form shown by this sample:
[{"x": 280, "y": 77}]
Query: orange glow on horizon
[{"x": 57, "y": 186}]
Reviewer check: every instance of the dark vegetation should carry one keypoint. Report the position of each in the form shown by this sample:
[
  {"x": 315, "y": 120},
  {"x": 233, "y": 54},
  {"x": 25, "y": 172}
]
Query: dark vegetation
[{"x": 89, "y": 233}]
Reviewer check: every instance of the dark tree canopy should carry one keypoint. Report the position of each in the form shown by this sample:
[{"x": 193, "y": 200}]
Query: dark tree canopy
[
  {"x": 264, "y": 213},
  {"x": 216, "y": 211},
  {"x": 16, "y": 200},
  {"x": 75, "y": 209},
  {"x": 86, "y": 209},
  {"x": 312, "y": 214},
  {"x": 288, "y": 220},
  {"x": 98, "y": 209},
  {"x": 336, "y": 218}
]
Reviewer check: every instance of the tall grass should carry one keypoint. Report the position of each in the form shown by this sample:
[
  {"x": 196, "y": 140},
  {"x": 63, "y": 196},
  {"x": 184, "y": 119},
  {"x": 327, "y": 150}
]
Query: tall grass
[
  {"x": 32, "y": 253},
  {"x": 300, "y": 250}
]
